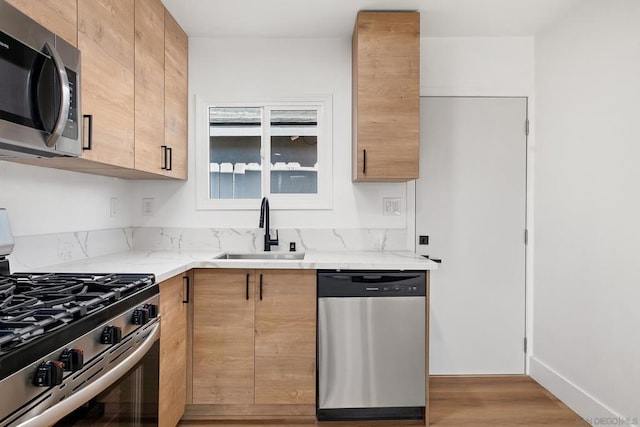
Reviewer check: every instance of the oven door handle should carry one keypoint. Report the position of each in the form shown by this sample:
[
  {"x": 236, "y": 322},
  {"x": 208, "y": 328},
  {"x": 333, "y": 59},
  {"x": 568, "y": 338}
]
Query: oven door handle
[
  {"x": 65, "y": 104},
  {"x": 71, "y": 403}
]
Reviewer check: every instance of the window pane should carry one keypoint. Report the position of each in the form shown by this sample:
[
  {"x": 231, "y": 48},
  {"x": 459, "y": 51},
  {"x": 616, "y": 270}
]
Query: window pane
[
  {"x": 294, "y": 151},
  {"x": 234, "y": 153}
]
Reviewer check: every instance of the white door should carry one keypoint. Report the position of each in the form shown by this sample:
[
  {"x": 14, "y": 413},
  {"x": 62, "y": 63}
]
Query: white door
[{"x": 470, "y": 201}]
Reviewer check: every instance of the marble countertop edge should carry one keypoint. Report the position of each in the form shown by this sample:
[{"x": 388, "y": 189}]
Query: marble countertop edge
[{"x": 166, "y": 264}]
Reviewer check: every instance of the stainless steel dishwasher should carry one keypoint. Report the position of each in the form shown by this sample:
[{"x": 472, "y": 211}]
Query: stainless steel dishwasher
[{"x": 371, "y": 345}]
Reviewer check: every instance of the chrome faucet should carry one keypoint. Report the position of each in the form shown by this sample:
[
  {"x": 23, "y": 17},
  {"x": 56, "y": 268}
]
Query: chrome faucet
[{"x": 264, "y": 222}]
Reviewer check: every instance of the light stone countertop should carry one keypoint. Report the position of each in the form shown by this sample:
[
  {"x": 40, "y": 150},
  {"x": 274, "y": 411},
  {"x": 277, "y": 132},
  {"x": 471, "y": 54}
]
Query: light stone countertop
[{"x": 166, "y": 264}]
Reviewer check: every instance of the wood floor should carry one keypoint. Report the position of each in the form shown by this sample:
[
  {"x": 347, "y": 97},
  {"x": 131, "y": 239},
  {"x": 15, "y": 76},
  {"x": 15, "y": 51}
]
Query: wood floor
[{"x": 461, "y": 401}]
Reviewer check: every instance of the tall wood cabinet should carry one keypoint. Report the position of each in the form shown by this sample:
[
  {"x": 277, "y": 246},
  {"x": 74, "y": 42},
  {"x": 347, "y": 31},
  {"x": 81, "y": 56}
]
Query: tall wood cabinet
[
  {"x": 134, "y": 75},
  {"x": 254, "y": 342},
  {"x": 149, "y": 85},
  {"x": 386, "y": 91},
  {"x": 106, "y": 40},
  {"x": 176, "y": 72},
  {"x": 58, "y": 16},
  {"x": 173, "y": 351}
]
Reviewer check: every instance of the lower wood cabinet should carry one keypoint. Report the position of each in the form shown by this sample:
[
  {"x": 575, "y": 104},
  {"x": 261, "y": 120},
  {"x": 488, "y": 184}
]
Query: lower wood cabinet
[
  {"x": 254, "y": 342},
  {"x": 173, "y": 351}
]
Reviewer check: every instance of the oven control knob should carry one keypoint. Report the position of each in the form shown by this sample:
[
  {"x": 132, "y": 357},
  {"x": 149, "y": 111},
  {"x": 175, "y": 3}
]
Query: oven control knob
[
  {"x": 111, "y": 335},
  {"x": 48, "y": 374},
  {"x": 153, "y": 310},
  {"x": 140, "y": 316},
  {"x": 72, "y": 359}
]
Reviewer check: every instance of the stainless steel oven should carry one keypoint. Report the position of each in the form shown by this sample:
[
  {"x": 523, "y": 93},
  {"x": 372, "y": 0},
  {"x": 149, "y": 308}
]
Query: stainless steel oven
[
  {"x": 39, "y": 90},
  {"x": 107, "y": 376},
  {"x": 131, "y": 401}
]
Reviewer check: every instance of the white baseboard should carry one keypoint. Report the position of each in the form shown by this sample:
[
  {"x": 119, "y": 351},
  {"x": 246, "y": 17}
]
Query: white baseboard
[{"x": 581, "y": 402}]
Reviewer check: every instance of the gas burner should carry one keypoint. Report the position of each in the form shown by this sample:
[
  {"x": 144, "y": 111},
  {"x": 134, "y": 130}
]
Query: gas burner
[{"x": 34, "y": 304}]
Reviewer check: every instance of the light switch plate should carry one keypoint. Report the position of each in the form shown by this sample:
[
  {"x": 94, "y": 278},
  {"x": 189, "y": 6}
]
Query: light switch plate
[
  {"x": 113, "y": 207},
  {"x": 147, "y": 207},
  {"x": 391, "y": 206}
]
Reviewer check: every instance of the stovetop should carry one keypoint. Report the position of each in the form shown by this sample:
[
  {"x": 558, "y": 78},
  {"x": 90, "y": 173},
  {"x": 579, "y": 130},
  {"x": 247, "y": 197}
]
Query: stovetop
[{"x": 35, "y": 305}]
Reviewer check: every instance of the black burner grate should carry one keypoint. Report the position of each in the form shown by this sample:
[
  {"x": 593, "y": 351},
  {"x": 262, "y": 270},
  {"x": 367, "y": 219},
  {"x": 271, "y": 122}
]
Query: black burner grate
[{"x": 33, "y": 304}]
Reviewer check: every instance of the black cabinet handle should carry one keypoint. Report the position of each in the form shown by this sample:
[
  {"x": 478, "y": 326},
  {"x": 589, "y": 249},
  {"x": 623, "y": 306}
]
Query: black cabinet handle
[
  {"x": 247, "y": 287},
  {"x": 170, "y": 157},
  {"x": 436, "y": 260},
  {"x": 261, "y": 287},
  {"x": 364, "y": 161},
  {"x": 89, "y": 120},
  {"x": 188, "y": 290},
  {"x": 164, "y": 157}
]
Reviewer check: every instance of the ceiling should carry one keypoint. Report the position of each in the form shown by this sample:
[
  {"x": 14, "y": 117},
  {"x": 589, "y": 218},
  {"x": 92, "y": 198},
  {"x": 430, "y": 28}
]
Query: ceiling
[{"x": 335, "y": 18}]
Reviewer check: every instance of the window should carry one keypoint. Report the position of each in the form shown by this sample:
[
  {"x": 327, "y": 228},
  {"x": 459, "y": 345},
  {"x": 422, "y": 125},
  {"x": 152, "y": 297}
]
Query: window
[{"x": 281, "y": 150}]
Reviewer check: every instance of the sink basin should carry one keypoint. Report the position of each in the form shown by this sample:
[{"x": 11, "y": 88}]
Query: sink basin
[{"x": 265, "y": 255}]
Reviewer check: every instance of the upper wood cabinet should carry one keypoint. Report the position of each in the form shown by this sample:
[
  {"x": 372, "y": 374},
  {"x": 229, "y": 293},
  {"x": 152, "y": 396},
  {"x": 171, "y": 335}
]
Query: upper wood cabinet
[
  {"x": 149, "y": 85},
  {"x": 386, "y": 90},
  {"x": 173, "y": 351},
  {"x": 176, "y": 72},
  {"x": 133, "y": 85},
  {"x": 58, "y": 16},
  {"x": 106, "y": 40}
]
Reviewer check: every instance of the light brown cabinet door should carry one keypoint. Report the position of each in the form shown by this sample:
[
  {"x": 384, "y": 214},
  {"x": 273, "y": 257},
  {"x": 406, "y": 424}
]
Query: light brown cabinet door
[
  {"x": 58, "y": 16},
  {"x": 149, "y": 85},
  {"x": 173, "y": 352},
  {"x": 106, "y": 40},
  {"x": 134, "y": 85},
  {"x": 176, "y": 72},
  {"x": 223, "y": 337},
  {"x": 386, "y": 93},
  {"x": 285, "y": 340}
]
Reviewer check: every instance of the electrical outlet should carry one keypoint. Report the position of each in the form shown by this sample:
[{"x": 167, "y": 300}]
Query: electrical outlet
[
  {"x": 423, "y": 240},
  {"x": 391, "y": 206},
  {"x": 113, "y": 207},
  {"x": 147, "y": 207}
]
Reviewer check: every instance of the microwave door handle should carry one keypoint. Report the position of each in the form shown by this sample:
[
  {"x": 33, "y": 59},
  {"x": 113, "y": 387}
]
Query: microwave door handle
[{"x": 61, "y": 120}]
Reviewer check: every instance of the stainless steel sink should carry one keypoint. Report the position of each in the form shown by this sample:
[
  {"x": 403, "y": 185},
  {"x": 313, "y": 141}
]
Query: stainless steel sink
[{"x": 265, "y": 255}]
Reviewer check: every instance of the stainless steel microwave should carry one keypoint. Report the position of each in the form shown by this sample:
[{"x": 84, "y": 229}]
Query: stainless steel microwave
[{"x": 39, "y": 90}]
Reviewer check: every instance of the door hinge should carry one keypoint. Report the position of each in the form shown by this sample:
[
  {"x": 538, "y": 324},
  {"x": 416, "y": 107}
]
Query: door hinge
[
  {"x": 525, "y": 344},
  {"x": 526, "y": 127},
  {"x": 526, "y": 236}
]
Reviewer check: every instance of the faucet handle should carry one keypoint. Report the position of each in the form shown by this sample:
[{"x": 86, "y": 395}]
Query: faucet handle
[{"x": 269, "y": 241}]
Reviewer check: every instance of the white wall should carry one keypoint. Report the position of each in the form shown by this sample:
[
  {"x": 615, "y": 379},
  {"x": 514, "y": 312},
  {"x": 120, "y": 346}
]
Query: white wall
[
  {"x": 42, "y": 201},
  {"x": 236, "y": 69},
  {"x": 477, "y": 66},
  {"x": 587, "y": 214},
  {"x": 249, "y": 69}
]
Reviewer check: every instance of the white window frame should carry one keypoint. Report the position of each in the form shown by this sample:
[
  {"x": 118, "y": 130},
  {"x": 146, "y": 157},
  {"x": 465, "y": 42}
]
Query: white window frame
[{"x": 321, "y": 200}]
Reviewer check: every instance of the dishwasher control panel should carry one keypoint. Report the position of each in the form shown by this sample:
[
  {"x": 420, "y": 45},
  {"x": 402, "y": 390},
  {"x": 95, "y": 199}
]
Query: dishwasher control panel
[{"x": 335, "y": 283}]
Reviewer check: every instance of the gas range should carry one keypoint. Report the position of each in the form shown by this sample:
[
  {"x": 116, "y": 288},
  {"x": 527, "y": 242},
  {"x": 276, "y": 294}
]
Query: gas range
[
  {"x": 67, "y": 339},
  {"x": 37, "y": 309}
]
